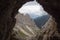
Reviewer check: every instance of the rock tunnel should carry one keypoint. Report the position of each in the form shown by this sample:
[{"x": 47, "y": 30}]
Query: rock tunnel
[{"x": 9, "y": 9}]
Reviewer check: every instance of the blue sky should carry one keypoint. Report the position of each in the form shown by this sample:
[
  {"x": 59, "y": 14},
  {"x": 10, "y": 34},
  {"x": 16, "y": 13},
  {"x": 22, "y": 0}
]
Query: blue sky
[{"x": 33, "y": 8}]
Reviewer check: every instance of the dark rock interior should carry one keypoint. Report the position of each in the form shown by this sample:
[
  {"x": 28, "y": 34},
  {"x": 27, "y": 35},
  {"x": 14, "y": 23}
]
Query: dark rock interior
[{"x": 9, "y": 9}]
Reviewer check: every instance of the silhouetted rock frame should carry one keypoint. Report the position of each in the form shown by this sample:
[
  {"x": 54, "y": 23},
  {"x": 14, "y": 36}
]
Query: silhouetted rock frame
[{"x": 9, "y": 8}]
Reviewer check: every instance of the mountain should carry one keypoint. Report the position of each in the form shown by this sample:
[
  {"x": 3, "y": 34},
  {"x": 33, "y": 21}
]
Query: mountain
[{"x": 40, "y": 21}]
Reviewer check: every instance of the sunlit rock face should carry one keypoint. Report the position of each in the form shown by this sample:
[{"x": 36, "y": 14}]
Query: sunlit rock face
[
  {"x": 35, "y": 11},
  {"x": 25, "y": 28}
]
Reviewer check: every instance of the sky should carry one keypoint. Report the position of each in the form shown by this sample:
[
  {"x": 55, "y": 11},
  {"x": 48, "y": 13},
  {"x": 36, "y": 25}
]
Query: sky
[{"x": 33, "y": 8}]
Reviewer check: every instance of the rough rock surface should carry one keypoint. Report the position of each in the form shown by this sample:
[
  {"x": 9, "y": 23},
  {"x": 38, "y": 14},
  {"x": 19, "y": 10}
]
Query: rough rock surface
[
  {"x": 25, "y": 28},
  {"x": 9, "y": 8},
  {"x": 48, "y": 32}
]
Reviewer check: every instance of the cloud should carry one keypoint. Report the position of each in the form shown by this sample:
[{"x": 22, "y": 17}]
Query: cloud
[{"x": 33, "y": 8}]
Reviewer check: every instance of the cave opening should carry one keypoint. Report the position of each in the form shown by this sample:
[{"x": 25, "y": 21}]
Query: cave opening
[
  {"x": 36, "y": 12},
  {"x": 30, "y": 19},
  {"x": 24, "y": 26}
]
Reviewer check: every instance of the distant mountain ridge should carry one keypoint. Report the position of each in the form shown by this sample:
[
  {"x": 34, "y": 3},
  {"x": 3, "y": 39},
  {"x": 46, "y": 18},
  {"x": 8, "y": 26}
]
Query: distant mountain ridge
[{"x": 40, "y": 21}]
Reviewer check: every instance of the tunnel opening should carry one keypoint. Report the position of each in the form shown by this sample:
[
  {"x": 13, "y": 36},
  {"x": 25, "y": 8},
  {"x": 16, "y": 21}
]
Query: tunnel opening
[
  {"x": 42, "y": 16},
  {"x": 30, "y": 19},
  {"x": 36, "y": 12},
  {"x": 8, "y": 10}
]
